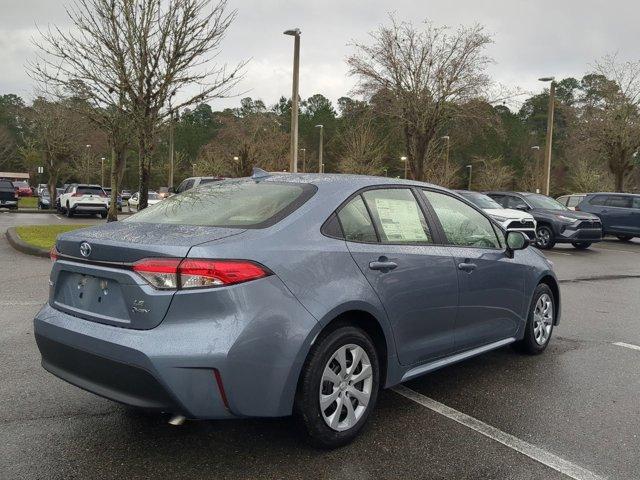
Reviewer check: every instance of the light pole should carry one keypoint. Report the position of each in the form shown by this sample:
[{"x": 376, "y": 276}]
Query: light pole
[
  {"x": 193, "y": 169},
  {"x": 448, "y": 139},
  {"x": 295, "y": 33},
  {"x": 86, "y": 173},
  {"x": 171, "y": 142},
  {"x": 536, "y": 175},
  {"x": 406, "y": 166},
  {"x": 470, "y": 167},
  {"x": 304, "y": 160},
  {"x": 547, "y": 149},
  {"x": 320, "y": 164},
  {"x": 102, "y": 172}
]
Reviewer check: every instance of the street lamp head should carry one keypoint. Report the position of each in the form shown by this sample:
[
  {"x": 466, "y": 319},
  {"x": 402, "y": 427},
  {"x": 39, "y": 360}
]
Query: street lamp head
[
  {"x": 535, "y": 147},
  {"x": 446, "y": 137},
  {"x": 236, "y": 158},
  {"x": 294, "y": 32},
  {"x": 547, "y": 79},
  {"x": 404, "y": 159},
  {"x": 319, "y": 126},
  {"x": 88, "y": 146},
  {"x": 469, "y": 166}
]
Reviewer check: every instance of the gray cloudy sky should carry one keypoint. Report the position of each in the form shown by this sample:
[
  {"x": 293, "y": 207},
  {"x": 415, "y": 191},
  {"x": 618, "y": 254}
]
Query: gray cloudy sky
[{"x": 532, "y": 38}]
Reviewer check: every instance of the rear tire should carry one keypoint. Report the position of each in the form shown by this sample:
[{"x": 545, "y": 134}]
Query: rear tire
[
  {"x": 540, "y": 322},
  {"x": 69, "y": 212},
  {"x": 624, "y": 238},
  {"x": 342, "y": 367},
  {"x": 546, "y": 238},
  {"x": 581, "y": 245}
]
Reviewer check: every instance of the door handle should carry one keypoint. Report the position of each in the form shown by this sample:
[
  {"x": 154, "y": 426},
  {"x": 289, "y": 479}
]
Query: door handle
[
  {"x": 467, "y": 267},
  {"x": 383, "y": 264}
]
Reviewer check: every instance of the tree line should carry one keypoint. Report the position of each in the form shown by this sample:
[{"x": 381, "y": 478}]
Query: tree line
[{"x": 113, "y": 88}]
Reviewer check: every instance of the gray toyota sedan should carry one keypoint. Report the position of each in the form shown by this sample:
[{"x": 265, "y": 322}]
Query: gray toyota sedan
[{"x": 287, "y": 294}]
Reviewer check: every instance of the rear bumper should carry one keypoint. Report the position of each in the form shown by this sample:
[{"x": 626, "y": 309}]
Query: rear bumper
[
  {"x": 257, "y": 349},
  {"x": 89, "y": 208}
]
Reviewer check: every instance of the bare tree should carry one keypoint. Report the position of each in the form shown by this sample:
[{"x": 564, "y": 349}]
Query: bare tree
[
  {"x": 426, "y": 72},
  {"x": 243, "y": 143},
  {"x": 56, "y": 139},
  {"x": 493, "y": 174},
  {"x": 133, "y": 55},
  {"x": 613, "y": 115},
  {"x": 360, "y": 147}
]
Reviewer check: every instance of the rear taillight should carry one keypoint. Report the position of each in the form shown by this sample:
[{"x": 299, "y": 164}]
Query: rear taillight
[
  {"x": 54, "y": 254},
  {"x": 173, "y": 273},
  {"x": 77, "y": 194},
  {"x": 577, "y": 208}
]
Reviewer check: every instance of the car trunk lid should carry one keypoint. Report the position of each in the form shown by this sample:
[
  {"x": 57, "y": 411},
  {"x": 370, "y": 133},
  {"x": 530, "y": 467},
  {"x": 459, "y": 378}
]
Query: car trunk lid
[{"x": 93, "y": 277}]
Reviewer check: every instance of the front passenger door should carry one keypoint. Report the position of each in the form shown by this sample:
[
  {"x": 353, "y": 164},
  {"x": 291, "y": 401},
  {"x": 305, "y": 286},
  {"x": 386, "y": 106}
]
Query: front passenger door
[
  {"x": 415, "y": 279},
  {"x": 491, "y": 301}
]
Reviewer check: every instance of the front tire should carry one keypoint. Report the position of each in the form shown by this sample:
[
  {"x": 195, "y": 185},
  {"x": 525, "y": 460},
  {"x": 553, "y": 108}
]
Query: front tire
[
  {"x": 581, "y": 245},
  {"x": 624, "y": 238},
  {"x": 69, "y": 211},
  {"x": 546, "y": 238},
  {"x": 540, "y": 322},
  {"x": 338, "y": 388}
]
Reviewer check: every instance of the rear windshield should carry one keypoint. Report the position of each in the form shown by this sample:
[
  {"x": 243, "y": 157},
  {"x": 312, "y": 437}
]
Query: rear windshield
[
  {"x": 154, "y": 196},
  {"x": 20, "y": 184},
  {"x": 481, "y": 200},
  {"x": 542, "y": 201},
  {"x": 90, "y": 191},
  {"x": 204, "y": 181},
  {"x": 229, "y": 203},
  {"x": 6, "y": 185}
]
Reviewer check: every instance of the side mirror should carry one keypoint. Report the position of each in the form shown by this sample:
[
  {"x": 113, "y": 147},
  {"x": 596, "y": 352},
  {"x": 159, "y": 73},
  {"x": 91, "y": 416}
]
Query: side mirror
[
  {"x": 516, "y": 241},
  {"x": 522, "y": 207}
]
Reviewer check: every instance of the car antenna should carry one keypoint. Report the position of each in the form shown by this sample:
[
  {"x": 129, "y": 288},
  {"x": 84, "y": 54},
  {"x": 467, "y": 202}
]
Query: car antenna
[{"x": 259, "y": 174}]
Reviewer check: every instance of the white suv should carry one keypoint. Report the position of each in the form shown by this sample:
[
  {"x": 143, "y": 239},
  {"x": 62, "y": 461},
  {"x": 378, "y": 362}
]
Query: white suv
[
  {"x": 509, "y": 219},
  {"x": 84, "y": 199}
]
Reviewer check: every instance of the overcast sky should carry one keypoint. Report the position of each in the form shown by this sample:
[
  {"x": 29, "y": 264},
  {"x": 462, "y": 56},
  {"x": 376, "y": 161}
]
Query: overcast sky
[{"x": 532, "y": 38}]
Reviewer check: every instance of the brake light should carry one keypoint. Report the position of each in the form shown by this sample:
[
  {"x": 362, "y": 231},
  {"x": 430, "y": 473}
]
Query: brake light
[
  {"x": 173, "y": 273},
  {"x": 54, "y": 254},
  {"x": 577, "y": 208},
  {"x": 77, "y": 194}
]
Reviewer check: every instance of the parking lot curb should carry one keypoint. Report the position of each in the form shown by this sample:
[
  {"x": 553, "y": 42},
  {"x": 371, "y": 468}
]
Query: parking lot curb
[{"x": 16, "y": 242}]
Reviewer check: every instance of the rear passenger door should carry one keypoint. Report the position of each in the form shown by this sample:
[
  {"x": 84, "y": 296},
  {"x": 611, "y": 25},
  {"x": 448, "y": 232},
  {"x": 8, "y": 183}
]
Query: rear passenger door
[
  {"x": 491, "y": 285},
  {"x": 397, "y": 250},
  {"x": 619, "y": 214}
]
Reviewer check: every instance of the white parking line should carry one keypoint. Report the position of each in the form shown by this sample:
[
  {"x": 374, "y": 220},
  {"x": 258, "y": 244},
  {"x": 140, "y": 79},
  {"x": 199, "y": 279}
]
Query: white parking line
[
  {"x": 536, "y": 453},
  {"x": 609, "y": 249},
  {"x": 627, "y": 345}
]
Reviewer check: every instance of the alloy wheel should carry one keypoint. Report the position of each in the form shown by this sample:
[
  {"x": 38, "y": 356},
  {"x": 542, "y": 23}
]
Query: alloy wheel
[
  {"x": 543, "y": 319},
  {"x": 345, "y": 388},
  {"x": 544, "y": 236}
]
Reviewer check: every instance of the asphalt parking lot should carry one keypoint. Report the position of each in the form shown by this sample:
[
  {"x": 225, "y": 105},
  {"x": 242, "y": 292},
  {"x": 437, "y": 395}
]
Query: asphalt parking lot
[{"x": 573, "y": 412}]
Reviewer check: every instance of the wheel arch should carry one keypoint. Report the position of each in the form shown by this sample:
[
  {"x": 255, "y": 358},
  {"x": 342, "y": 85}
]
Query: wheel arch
[{"x": 553, "y": 284}]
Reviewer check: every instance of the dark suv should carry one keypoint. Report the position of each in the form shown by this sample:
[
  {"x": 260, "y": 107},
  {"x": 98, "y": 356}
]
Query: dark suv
[
  {"x": 8, "y": 195},
  {"x": 619, "y": 213},
  {"x": 556, "y": 223}
]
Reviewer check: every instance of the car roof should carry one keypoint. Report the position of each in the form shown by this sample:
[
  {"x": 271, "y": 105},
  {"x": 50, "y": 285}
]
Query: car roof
[
  {"x": 626, "y": 194},
  {"x": 340, "y": 180}
]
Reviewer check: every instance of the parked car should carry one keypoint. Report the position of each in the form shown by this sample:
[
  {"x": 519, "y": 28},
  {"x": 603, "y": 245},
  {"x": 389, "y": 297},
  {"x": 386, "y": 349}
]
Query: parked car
[
  {"x": 118, "y": 198},
  {"x": 289, "y": 294},
  {"x": 618, "y": 212},
  {"x": 59, "y": 192},
  {"x": 571, "y": 201},
  {"x": 555, "y": 222},
  {"x": 44, "y": 200},
  {"x": 125, "y": 194},
  {"x": 84, "y": 199},
  {"x": 152, "y": 199},
  {"x": 22, "y": 188},
  {"x": 509, "y": 219},
  {"x": 8, "y": 195},
  {"x": 193, "y": 182}
]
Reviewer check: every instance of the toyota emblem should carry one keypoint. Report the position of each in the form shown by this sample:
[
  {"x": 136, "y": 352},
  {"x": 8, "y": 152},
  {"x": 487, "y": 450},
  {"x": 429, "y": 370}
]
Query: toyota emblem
[{"x": 85, "y": 249}]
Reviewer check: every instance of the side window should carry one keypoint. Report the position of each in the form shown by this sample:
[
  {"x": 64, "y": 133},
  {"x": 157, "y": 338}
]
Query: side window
[
  {"x": 599, "y": 200},
  {"x": 356, "y": 222},
  {"x": 636, "y": 202},
  {"x": 618, "y": 201},
  {"x": 515, "y": 203},
  {"x": 563, "y": 200},
  {"x": 463, "y": 225},
  {"x": 398, "y": 216},
  {"x": 574, "y": 200}
]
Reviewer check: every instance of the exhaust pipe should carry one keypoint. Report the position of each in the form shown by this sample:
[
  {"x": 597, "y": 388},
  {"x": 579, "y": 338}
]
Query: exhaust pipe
[{"x": 177, "y": 420}]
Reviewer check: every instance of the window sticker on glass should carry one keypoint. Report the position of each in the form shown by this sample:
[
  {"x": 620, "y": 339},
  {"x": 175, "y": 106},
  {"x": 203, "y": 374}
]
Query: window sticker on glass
[{"x": 400, "y": 220}]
